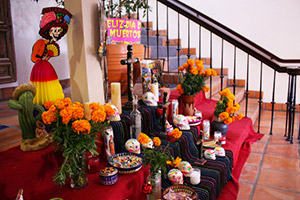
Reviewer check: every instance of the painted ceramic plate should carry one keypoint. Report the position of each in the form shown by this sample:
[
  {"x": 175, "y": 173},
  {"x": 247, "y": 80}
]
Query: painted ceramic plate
[
  {"x": 126, "y": 162},
  {"x": 194, "y": 120},
  {"x": 184, "y": 191}
]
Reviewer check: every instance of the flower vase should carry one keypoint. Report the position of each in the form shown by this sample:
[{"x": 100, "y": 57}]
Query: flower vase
[
  {"x": 79, "y": 180},
  {"x": 156, "y": 187},
  {"x": 187, "y": 105},
  {"x": 219, "y": 125}
]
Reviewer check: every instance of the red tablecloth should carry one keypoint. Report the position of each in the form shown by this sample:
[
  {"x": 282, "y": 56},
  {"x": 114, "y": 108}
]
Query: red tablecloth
[{"x": 239, "y": 138}]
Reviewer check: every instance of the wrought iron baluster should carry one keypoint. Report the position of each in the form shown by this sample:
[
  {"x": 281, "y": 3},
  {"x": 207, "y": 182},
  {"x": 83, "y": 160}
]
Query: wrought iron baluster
[
  {"x": 157, "y": 31},
  {"x": 168, "y": 52},
  {"x": 120, "y": 14},
  {"x": 290, "y": 107},
  {"x": 294, "y": 108},
  {"x": 199, "y": 42},
  {"x": 260, "y": 96},
  {"x": 178, "y": 45},
  {"x": 222, "y": 54},
  {"x": 234, "y": 71},
  {"x": 189, "y": 40},
  {"x": 247, "y": 86},
  {"x": 138, "y": 14},
  {"x": 211, "y": 59},
  {"x": 287, "y": 107},
  {"x": 148, "y": 47},
  {"x": 273, "y": 103}
]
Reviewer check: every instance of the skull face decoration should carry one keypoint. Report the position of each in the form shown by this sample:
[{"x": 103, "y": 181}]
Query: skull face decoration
[
  {"x": 186, "y": 168},
  {"x": 55, "y": 33},
  {"x": 175, "y": 176},
  {"x": 220, "y": 151},
  {"x": 210, "y": 154},
  {"x": 115, "y": 117},
  {"x": 149, "y": 144},
  {"x": 181, "y": 122},
  {"x": 132, "y": 145},
  {"x": 149, "y": 99}
]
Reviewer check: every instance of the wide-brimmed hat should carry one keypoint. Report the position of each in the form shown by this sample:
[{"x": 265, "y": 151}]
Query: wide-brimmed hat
[{"x": 54, "y": 17}]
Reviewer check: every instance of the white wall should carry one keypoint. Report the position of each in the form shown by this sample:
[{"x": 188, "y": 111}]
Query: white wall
[
  {"x": 26, "y": 15},
  {"x": 272, "y": 24}
]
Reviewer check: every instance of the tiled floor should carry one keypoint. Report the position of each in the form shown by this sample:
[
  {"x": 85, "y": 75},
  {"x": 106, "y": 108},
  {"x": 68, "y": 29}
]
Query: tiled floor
[{"x": 271, "y": 171}]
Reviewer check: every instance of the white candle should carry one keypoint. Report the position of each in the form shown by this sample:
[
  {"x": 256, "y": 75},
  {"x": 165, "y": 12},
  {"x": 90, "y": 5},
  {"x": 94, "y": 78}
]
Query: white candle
[
  {"x": 115, "y": 90},
  {"x": 195, "y": 176},
  {"x": 87, "y": 111},
  {"x": 154, "y": 90}
]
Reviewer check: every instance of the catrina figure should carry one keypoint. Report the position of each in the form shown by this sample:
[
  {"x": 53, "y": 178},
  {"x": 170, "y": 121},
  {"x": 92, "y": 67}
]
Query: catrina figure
[{"x": 53, "y": 26}]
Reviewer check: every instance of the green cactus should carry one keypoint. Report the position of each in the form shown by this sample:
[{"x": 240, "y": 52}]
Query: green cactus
[{"x": 23, "y": 102}]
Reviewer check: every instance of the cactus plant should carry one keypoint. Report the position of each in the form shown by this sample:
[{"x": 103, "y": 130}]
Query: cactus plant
[{"x": 23, "y": 102}]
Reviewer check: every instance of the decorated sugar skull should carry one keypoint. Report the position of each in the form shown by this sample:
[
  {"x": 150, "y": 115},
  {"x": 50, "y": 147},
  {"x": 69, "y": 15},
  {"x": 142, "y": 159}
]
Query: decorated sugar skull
[
  {"x": 186, "y": 168},
  {"x": 175, "y": 176},
  {"x": 149, "y": 144},
  {"x": 149, "y": 99},
  {"x": 210, "y": 154},
  {"x": 132, "y": 145},
  {"x": 169, "y": 127},
  {"x": 55, "y": 33},
  {"x": 115, "y": 117},
  {"x": 181, "y": 122},
  {"x": 220, "y": 151}
]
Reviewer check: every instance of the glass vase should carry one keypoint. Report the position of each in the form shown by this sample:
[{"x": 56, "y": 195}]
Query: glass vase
[
  {"x": 156, "y": 187},
  {"x": 79, "y": 180}
]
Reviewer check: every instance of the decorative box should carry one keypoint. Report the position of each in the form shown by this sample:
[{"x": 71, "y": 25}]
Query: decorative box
[{"x": 108, "y": 176}]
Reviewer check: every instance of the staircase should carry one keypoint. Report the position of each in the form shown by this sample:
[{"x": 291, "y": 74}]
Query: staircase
[{"x": 160, "y": 42}]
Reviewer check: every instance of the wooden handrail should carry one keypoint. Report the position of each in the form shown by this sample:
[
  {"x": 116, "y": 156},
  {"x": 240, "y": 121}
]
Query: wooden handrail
[{"x": 290, "y": 66}]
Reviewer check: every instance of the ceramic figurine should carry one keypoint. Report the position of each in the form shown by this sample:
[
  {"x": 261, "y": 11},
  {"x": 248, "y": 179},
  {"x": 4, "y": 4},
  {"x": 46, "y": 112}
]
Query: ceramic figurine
[
  {"x": 186, "y": 168},
  {"x": 210, "y": 154},
  {"x": 109, "y": 142},
  {"x": 220, "y": 151},
  {"x": 181, "y": 122},
  {"x": 149, "y": 99},
  {"x": 115, "y": 117},
  {"x": 132, "y": 145},
  {"x": 53, "y": 26},
  {"x": 175, "y": 176}
]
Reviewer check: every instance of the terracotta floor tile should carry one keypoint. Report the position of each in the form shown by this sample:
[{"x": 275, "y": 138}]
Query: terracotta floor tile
[
  {"x": 9, "y": 135},
  {"x": 6, "y": 113},
  {"x": 6, "y": 147},
  {"x": 263, "y": 139},
  {"x": 283, "y": 150},
  {"x": 263, "y": 193},
  {"x": 244, "y": 191},
  {"x": 258, "y": 147},
  {"x": 274, "y": 139},
  {"x": 279, "y": 179},
  {"x": 254, "y": 158},
  {"x": 249, "y": 173},
  {"x": 10, "y": 121},
  {"x": 281, "y": 163}
]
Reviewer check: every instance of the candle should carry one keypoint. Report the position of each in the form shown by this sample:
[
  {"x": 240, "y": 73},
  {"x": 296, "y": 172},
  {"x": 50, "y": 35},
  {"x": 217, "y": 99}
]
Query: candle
[
  {"x": 195, "y": 176},
  {"x": 217, "y": 135},
  {"x": 115, "y": 90},
  {"x": 154, "y": 90},
  {"x": 87, "y": 110}
]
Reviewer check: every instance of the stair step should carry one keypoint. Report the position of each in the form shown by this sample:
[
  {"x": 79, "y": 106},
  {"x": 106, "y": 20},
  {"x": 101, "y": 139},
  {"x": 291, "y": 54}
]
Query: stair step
[
  {"x": 239, "y": 94},
  {"x": 173, "y": 62},
  {"x": 150, "y": 24},
  {"x": 152, "y": 40},
  {"x": 216, "y": 86},
  {"x": 225, "y": 72},
  {"x": 163, "y": 51},
  {"x": 172, "y": 42},
  {"x": 192, "y": 51},
  {"x": 253, "y": 108}
]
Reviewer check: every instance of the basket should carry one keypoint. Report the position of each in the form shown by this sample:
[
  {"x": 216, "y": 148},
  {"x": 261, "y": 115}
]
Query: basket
[
  {"x": 182, "y": 188},
  {"x": 126, "y": 162}
]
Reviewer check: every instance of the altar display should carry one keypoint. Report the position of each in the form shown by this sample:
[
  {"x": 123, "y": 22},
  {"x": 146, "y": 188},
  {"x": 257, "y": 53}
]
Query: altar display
[{"x": 53, "y": 26}]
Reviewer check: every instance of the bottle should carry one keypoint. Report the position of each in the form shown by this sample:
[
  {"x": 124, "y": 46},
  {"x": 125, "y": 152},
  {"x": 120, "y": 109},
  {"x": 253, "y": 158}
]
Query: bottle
[
  {"x": 136, "y": 118},
  {"x": 206, "y": 129}
]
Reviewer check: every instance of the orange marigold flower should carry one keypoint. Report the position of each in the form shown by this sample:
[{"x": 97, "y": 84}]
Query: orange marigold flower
[
  {"x": 81, "y": 126},
  {"x": 77, "y": 111},
  {"x": 179, "y": 89},
  {"x": 66, "y": 115},
  {"x": 49, "y": 117},
  {"x": 181, "y": 68},
  {"x": 109, "y": 110},
  {"x": 213, "y": 72},
  {"x": 98, "y": 115},
  {"x": 207, "y": 72},
  {"x": 231, "y": 97},
  {"x": 48, "y": 104},
  {"x": 223, "y": 115},
  {"x": 200, "y": 69},
  {"x": 78, "y": 104},
  {"x": 230, "y": 103},
  {"x": 96, "y": 106},
  {"x": 233, "y": 118},
  {"x": 53, "y": 109},
  {"x": 228, "y": 120},
  {"x": 240, "y": 116},
  {"x": 176, "y": 133},
  {"x": 190, "y": 62},
  {"x": 156, "y": 141},
  {"x": 185, "y": 65},
  {"x": 67, "y": 101},
  {"x": 199, "y": 63},
  {"x": 143, "y": 138},
  {"x": 60, "y": 104},
  {"x": 169, "y": 162},
  {"x": 174, "y": 163},
  {"x": 194, "y": 70},
  {"x": 206, "y": 88},
  {"x": 238, "y": 107}
]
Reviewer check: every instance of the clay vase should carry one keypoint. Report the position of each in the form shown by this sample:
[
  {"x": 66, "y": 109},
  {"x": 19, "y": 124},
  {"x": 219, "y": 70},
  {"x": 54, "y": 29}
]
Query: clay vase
[
  {"x": 218, "y": 125},
  {"x": 116, "y": 71},
  {"x": 187, "y": 105}
]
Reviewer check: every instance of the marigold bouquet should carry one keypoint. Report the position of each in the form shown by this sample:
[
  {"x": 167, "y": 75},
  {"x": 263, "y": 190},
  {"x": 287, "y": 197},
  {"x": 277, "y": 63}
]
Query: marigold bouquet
[
  {"x": 157, "y": 158},
  {"x": 73, "y": 134},
  {"x": 226, "y": 108},
  {"x": 193, "y": 78}
]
